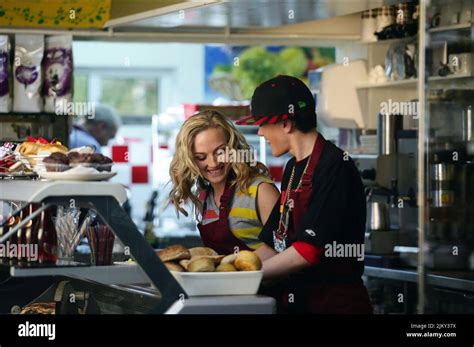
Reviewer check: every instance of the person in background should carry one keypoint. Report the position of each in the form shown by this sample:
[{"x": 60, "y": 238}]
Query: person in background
[
  {"x": 232, "y": 196},
  {"x": 96, "y": 131},
  {"x": 322, "y": 206}
]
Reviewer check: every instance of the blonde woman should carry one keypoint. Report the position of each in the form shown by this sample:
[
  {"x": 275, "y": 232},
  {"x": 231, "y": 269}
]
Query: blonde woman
[{"x": 215, "y": 168}]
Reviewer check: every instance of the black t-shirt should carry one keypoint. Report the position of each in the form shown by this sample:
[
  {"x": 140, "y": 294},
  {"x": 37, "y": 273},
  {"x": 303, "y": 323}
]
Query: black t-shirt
[{"x": 337, "y": 209}]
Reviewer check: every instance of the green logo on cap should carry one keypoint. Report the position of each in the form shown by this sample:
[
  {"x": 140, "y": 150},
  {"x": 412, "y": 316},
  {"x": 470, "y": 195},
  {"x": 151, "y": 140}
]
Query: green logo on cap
[{"x": 301, "y": 104}]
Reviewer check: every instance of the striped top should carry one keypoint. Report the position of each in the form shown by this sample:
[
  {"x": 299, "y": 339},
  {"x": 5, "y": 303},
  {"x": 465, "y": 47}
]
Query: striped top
[{"x": 244, "y": 221}]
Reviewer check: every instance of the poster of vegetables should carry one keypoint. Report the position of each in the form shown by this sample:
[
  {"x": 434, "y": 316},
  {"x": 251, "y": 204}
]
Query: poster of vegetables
[{"x": 233, "y": 72}]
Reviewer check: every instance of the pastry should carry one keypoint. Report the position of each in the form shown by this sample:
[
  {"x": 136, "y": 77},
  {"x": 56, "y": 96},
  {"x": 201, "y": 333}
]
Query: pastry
[
  {"x": 52, "y": 148},
  {"x": 201, "y": 265},
  {"x": 28, "y": 148},
  {"x": 195, "y": 251},
  {"x": 174, "y": 267},
  {"x": 184, "y": 263},
  {"x": 174, "y": 252},
  {"x": 40, "y": 308},
  {"x": 247, "y": 261},
  {"x": 74, "y": 158},
  {"x": 229, "y": 259},
  {"x": 96, "y": 160},
  {"x": 226, "y": 268},
  {"x": 215, "y": 258},
  {"x": 56, "y": 162}
]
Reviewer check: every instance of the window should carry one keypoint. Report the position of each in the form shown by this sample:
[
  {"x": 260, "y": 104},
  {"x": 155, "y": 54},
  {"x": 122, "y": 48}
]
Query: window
[
  {"x": 130, "y": 96},
  {"x": 80, "y": 88},
  {"x": 135, "y": 94}
]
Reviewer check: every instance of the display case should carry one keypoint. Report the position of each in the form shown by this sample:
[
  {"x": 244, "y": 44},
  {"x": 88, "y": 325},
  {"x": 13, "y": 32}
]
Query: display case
[
  {"x": 446, "y": 151},
  {"x": 17, "y": 126},
  {"x": 31, "y": 212},
  {"x": 422, "y": 172}
]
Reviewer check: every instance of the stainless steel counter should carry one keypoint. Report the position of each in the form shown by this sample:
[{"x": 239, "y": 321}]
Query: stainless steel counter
[{"x": 461, "y": 280}]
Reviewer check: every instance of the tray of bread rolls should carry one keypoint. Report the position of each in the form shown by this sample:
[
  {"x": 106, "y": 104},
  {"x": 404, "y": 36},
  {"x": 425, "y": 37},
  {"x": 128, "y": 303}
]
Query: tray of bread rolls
[{"x": 201, "y": 271}]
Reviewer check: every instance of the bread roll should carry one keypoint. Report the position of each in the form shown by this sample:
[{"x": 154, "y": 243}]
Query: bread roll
[
  {"x": 184, "y": 263},
  {"x": 173, "y": 266},
  {"x": 201, "y": 265},
  {"x": 229, "y": 259},
  {"x": 174, "y": 252},
  {"x": 247, "y": 261},
  {"x": 215, "y": 258},
  {"x": 40, "y": 308},
  {"x": 52, "y": 148},
  {"x": 226, "y": 268},
  {"x": 195, "y": 251},
  {"x": 28, "y": 148}
]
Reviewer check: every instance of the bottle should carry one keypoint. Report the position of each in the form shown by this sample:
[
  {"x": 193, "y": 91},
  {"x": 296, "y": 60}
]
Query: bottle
[
  {"x": 47, "y": 241},
  {"x": 149, "y": 233}
]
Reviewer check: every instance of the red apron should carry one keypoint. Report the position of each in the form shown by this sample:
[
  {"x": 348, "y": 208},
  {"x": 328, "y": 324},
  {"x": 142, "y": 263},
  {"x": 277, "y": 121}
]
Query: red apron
[
  {"x": 217, "y": 235},
  {"x": 337, "y": 292}
]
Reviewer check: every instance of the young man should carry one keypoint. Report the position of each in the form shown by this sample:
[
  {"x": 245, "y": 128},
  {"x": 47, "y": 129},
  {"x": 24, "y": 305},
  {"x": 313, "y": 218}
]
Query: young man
[{"x": 315, "y": 234}]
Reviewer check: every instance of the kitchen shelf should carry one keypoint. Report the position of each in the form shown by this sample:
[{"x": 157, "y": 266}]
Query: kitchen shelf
[
  {"x": 122, "y": 274},
  {"x": 413, "y": 81},
  {"x": 390, "y": 41},
  {"x": 449, "y": 77},
  {"x": 461, "y": 26},
  {"x": 29, "y": 114},
  {"x": 389, "y": 84},
  {"x": 461, "y": 280}
]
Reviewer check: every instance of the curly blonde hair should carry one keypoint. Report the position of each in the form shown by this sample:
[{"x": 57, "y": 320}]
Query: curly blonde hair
[{"x": 186, "y": 177}]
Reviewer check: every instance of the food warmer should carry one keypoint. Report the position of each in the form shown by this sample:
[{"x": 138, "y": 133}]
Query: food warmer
[{"x": 144, "y": 285}]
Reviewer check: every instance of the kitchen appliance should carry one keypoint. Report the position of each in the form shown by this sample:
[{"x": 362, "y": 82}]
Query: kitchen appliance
[
  {"x": 337, "y": 80},
  {"x": 468, "y": 125},
  {"x": 446, "y": 256},
  {"x": 380, "y": 242},
  {"x": 379, "y": 217},
  {"x": 388, "y": 125},
  {"x": 442, "y": 184},
  {"x": 379, "y": 238}
]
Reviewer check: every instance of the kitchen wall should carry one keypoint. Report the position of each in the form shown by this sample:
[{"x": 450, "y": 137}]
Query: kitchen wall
[
  {"x": 182, "y": 63},
  {"x": 180, "y": 68}
]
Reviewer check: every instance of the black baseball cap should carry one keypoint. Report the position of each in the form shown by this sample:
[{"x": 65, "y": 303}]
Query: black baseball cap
[{"x": 280, "y": 98}]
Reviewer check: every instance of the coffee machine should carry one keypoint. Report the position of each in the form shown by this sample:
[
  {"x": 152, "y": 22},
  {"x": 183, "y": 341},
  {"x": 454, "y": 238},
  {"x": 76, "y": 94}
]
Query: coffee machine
[{"x": 450, "y": 229}]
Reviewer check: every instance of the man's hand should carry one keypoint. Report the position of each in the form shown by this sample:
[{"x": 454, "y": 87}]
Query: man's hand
[
  {"x": 265, "y": 252},
  {"x": 280, "y": 264}
]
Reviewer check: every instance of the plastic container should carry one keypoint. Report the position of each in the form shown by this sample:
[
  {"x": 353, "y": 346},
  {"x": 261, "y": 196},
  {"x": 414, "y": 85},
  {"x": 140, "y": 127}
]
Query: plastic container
[{"x": 219, "y": 283}]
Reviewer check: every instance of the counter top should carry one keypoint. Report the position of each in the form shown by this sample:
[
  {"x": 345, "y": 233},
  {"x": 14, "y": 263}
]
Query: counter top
[
  {"x": 112, "y": 274},
  {"x": 37, "y": 191},
  {"x": 461, "y": 280}
]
